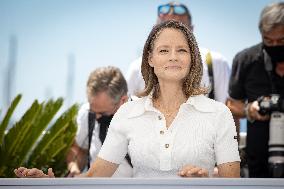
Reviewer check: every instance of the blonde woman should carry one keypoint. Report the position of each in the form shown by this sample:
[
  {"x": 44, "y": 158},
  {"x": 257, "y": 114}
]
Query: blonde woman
[{"x": 173, "y": 130}]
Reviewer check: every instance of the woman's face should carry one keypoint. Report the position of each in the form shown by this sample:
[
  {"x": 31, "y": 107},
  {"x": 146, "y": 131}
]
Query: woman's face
[{"x": 171, "y": 56}]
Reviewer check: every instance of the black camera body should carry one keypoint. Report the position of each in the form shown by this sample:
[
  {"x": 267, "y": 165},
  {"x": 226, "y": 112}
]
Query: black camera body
[{"x": 273, "y": 105}]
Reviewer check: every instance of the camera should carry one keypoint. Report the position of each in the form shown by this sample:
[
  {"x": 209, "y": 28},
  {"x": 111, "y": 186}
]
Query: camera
[{"x": 273, "y": 105}]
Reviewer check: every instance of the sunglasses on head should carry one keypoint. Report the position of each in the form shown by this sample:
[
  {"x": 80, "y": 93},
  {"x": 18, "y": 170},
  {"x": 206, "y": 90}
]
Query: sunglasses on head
[{"x": 173, "y": 9}]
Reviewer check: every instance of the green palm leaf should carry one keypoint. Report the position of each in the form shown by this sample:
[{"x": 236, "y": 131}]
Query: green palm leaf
[
  {"x": 16, "y": 135},
  {"x": 59, "y": 163},
  {"x": 40, "y": 152},
  {"x": 13, "y": 139},
  {"x": 23, "y": 144},
  {"x": 56, "y": 153},
  {"x": 7, "y": 117},
  {"x": 47, "y": 112}
]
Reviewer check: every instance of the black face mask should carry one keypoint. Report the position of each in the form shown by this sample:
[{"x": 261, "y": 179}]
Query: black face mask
[
  {"x": 276, "y": 53},
  {"x": 104, "y": 122}
]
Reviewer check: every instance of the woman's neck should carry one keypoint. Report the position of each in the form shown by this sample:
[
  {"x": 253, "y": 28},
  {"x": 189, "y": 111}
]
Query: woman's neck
[{"x": 171, "y": 95}]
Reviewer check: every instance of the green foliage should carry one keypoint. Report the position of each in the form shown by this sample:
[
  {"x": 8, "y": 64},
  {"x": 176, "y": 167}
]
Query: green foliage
[
  {"x": 7, "y": 117},
  {"x": 29, "y": 144}
]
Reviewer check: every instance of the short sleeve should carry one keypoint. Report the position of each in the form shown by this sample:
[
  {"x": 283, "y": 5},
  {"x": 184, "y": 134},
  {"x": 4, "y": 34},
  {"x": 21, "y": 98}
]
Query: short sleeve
[
  {"x": 226, "y": 144},
  {"x": 82, "y": 130},
  {"x": 237, "y": 79},
  {"x": 115, "y": 146}
]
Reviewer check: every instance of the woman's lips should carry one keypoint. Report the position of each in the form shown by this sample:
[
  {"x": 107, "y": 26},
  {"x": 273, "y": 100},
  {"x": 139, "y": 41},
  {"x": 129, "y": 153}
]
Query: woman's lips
[{"x": 173, "y": 67}]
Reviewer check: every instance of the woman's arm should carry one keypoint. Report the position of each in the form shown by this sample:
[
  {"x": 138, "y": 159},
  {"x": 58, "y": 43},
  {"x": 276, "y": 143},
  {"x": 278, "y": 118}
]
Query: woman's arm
[
  {"x": 101, "y": 168},
  {"x": 231, "y": 169}
]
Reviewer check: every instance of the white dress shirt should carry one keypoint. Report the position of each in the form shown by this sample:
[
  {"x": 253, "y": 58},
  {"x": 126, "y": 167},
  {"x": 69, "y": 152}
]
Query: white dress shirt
[
  {"x": 202, "y": 134},
  {"x": 221, "y": 74},
  {"x": 124, "y": 170}
]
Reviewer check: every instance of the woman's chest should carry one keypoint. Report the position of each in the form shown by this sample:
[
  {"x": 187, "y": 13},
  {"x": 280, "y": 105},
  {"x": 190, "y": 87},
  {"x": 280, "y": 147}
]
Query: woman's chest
[{"x": 186, "y": 139}]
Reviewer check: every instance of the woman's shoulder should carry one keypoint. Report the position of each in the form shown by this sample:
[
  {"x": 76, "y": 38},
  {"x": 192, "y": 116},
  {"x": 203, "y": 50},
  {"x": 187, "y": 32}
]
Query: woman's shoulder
[
  {"x": 134, "y": 105},
  {"x": 207, "y": 104}
]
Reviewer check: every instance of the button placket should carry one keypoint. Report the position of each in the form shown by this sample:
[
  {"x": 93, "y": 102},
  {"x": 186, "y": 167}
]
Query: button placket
[
  {"x": 164, "y": 138},
  {"x": 161, "y": 123},
  {"x": 166, "y": 150}
]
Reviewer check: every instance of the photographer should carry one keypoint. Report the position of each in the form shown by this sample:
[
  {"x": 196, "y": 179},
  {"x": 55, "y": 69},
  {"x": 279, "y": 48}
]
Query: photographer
[
  {"x": 251, "y": 79},
  {"x": 106, "y": 92}
]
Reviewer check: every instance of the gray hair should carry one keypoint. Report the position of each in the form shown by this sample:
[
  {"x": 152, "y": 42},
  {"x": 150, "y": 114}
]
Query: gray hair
[
  {"x": 271, "y": 16},
  {"x": 107, "y": 79}
]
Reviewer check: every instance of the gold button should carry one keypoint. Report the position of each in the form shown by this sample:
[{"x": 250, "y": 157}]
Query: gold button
[
  {"x": 160, "y": 117},
  {"x": 162, "y": 132},
  {"x": 167, "y": 145}
]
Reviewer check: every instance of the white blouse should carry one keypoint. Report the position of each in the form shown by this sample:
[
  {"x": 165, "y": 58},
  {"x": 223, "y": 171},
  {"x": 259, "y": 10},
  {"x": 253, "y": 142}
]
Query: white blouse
[{"x": 203, "y": 133}]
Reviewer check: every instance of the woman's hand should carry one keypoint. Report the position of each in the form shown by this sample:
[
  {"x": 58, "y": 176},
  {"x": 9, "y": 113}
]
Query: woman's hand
[
  {"x": 192, "y": 171},
  {"x": 23, "y": 172}
]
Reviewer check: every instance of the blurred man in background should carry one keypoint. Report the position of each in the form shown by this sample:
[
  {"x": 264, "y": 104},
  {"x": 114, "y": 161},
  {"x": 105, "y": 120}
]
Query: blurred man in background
[
  {"x": 258, "y": 72},
  {"x": 106, "y": 92}
]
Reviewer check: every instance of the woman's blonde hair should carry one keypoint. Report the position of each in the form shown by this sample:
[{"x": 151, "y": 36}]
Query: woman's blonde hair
[{"x": 191, "y": 83}]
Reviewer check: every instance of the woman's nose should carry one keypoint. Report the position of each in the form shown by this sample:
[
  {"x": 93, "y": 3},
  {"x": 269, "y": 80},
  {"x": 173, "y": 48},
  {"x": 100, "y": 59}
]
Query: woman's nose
[{"x": 173, "y": 56}]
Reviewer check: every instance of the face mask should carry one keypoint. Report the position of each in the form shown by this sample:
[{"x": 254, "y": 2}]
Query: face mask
[
  {"x": 276, "y": 53},
  {"x": 104, "y": 122}
]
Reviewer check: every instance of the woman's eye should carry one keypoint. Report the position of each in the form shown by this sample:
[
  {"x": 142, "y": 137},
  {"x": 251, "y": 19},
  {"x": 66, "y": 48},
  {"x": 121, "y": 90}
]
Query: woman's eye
[
  {"x": 182, "y": 50},
  {"x": 163, "y": 51}
]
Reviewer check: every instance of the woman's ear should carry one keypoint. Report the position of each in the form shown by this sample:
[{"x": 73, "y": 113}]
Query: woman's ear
[{"x": 150, "y": 60}]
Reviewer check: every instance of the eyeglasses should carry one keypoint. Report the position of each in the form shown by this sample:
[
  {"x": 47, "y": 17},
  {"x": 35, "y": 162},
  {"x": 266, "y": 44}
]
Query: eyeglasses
[{"x": 172, "y": 8}]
